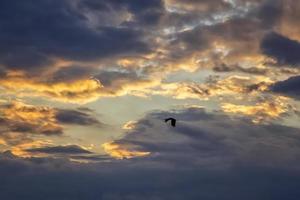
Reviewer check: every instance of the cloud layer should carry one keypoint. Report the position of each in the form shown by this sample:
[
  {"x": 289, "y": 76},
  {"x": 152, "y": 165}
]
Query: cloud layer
[{"x": 207, "y": 155}]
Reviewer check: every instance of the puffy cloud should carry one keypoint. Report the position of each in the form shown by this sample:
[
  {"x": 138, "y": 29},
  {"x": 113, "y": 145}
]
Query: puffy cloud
[
  {"x": 233, "y": 40},
  {"x": 94, "y": 48}
]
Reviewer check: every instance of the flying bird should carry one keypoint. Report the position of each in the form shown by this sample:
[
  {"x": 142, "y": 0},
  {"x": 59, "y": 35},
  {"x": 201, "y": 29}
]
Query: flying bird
[{"x": 173, "y": 121}]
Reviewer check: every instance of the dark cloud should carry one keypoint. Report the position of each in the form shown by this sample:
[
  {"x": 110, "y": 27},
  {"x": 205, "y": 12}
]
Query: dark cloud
[
  {"x": 71, "y": 73},
  {"x": 289, "y": 87},
  {"x": 269, "y": 12},
  {"x": 202, "y": 138},
  {"x": 75, "y": 117},
  {"x": 111, "y": 78},
  {"x": 212, "y": 157},
  {"x": 237, "y": 68},
  {"x": 120, "y": 81},
  {"x": 144, "y": 12},
  {"x": 69, "y": 149},
  {"x": 281, "y": 48},
  {"x": 29, "y": 43},
  {"x": 91, "y": 158}
]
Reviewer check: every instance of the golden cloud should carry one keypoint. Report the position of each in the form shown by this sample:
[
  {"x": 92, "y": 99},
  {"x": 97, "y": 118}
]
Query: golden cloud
[
  {"x": 117, "y": 151},
  {"x": 261, "y": 112},
  {"x": 20, "y": 149},
  {"x": 215, "y": 88},
  {"x": 78, "y": 91},
  {"x": 129, "y": 125},
  {"x": 20, "y": 117}
]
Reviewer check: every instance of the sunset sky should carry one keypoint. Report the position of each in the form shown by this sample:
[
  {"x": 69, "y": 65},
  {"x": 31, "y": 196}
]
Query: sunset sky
[{"x": 85, "y": 86}]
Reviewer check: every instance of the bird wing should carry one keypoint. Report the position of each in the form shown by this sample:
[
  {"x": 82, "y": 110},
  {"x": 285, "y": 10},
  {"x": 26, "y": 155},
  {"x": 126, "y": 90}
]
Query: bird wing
[{"x": 173, "y": 123}]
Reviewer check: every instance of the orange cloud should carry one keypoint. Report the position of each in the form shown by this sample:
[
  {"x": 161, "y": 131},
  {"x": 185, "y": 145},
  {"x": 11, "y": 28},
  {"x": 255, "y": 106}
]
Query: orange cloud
[
  {"x": 232, "y": 85},
  {"x": 119, "y": 152},
  {"x": 20, "y": 117},
  {"x": 78, "y": 91},
  {"x": 260, "y": 112},
  {"x": 2, "y": 142},
  {"x": 129, "y": 125},
  {"x": 20, "y": 149}
]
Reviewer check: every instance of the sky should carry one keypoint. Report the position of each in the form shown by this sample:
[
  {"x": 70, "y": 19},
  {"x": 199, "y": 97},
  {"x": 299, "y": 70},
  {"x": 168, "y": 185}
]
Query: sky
[{"x": 85, "y": 86}]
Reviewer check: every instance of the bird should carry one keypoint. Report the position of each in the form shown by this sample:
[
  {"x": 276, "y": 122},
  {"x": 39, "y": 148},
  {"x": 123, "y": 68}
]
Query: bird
[{"x": 173, "y": 121}]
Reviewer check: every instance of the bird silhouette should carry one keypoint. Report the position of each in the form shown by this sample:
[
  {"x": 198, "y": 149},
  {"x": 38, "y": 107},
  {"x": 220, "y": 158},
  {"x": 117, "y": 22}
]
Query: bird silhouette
[{"x": 173, "y": 121}]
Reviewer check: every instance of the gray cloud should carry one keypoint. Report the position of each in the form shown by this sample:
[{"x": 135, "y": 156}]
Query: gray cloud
[
  {"x": 68, "y": 149},
  {"x": 75, "y": 117},
  {"x": 281, "y": 48},
  {"x": 213, "y": 156},
  {"x": 30, "y": 44},
  {"x": 71, "y": 73},
  {"x": 214, "y": 139},
  {"x": 289, "y": 87},
  {"x": 251, "y": 70}
]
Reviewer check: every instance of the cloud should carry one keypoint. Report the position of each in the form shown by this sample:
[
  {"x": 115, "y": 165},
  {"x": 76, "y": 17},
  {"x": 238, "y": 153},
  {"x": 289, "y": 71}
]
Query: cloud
[
  {"x": 143, "y": 13},
  {"x": 288, "y": 87},
  {"x": 75, "y": 117},
  {"x": 121, "y": 82},
  {"x": 29, "y": 44},
  {"x": 215, "y": 87},
  {"x": 261, "y": 112},
  {"x": 22, "y": 118},
  {"x": 70, "y": 74},
  {"x": 20, "y": 122},
  {"x": 79, "y": 85},
  {"x": 281, "y": 48},
  {"x": 79, "y": 91},
  {"x": 287, "y": 24},
  {"x": 102, "y": 40},
  {"x": 250, "y": 70},
  {"x": 68, "y": 149},
  {"x": 89, "y": 49},
  {"x": 212, "y": 139},
  {"x": 119, "y": 152},
  {"x": 199, "y": 6},
  {"x": 129, "y": 125},
  {"x": 222, "y": 155}
]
